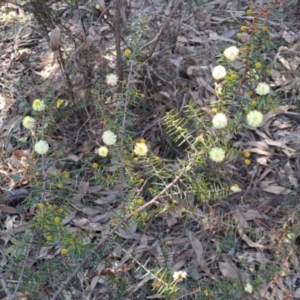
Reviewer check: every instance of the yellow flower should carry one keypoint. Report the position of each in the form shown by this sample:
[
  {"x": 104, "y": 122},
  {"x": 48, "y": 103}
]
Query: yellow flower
[
  {"x": 65, "y": 174},
  {"x": 141, "y": 180},
  {"x": 257, "y": 65},
  {"x": 64, "y": 251},
  {"x": 231, "y": 53},
  {"x": 205, "y": 292},
  {"x": 112, "y": 79},
  {"x": 109, "y": 138},
  {"x": 262, "y": 89},
  {"x": 250, "y": 93},
  {"x": 233, "y": 76},
  {"x": 254, "y": 118},
  {"x": 95, "y": 165},
  {"x": 264, "y": 29},
  {"x": 136, "y": 159},
  {"x": 157, "y": 158},
  {"x": 219, "y": 121},
  {"x": 103, "y": 151},
  {"x": 140, "y": 149},
  {"x": 127, "y": 52},
  {"x": 268, "y": 71},
  {"x": 249, "y": 12},
  {"x": 140, "y": 201},
  {"x": 135, "y": 214},
  {"x": 59, "y": 103},
  {"x": 235, "y": 188},
  {"x": 217, "y": 154},
  {"x": 244, "y": 28},
  {"x": 49, "y": 238},
  {"x": 60, "y": 185},
  {"x": 57, "y": 220},
  {"x": 50, "y": 207},
  {"x": 38, "y": 105},
  {"x": 29, "y": 122},
  {"x": 41, "y": 147},
  {"x": 218, "y": 72},
  {"x": 41, "y": 205},
  {"x": 200, "y": 139},
  {"x": 214, "y": 110},
  {"x": 253, "y": 103},
  {"x": 93, "y": 91},
  {"x": 179, "y": 275},
  {"x": 239, "y": 36},
  {"x": 247, "y": 154},
  {"x": 247, "y": 162}
]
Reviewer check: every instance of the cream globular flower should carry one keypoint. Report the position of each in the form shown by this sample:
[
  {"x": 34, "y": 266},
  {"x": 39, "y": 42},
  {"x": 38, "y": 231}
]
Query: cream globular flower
[
  {"x": 248, "y": 288},
  {"x": 179, "y": 275},
  {"x": 112, "y": 79},
  {"x": 219, "y": 121},
  {"x": 41, "y": 147},
  {"x": 254, "y": 118},
  {"x": 217, "y": 154},
  {"x": 231, "y": 53},
  {"x": 235, "y": 188},
  {"x": 29, "y": 122},
  {"x": 219, "y": 72},
  {"x": 109, "y": 138},
  {"x": 140, "y": 149},
  {"x": 218, "y": 89},
  {"x": 103, "y": 151},
  {"x": 262, "y": 89},
  {"x": 38, "y": 105}
]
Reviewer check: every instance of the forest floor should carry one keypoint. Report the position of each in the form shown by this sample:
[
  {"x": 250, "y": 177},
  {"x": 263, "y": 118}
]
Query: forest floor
[{"x": 243, "y": 245}]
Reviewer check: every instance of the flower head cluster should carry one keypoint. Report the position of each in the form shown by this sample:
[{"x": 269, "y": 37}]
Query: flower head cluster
[
  {"x": 112, "y": 79},
  {"x": 109, "y": 138},
  {"x": 66, "y": 174},
  {"x": 64, "y": 251},
  {"x": 219, "y": 120},
  {"x": 38, "y": 105},
  {"x": 231, "y": 53},
  {"x": 248, "y": 288},
  {"x": 218, "y": 72},
  {"x": 257, "y": 65},
  {"x": 127, "y": 52},
  {"x": 262, "y": 89},
  {"x": 254, "y": 118},
  {"x": 179, "y": 275},
  {"x": 41, "y": 147},
  {"x": 103, "y": 151},
  {"x": 29, "y": 122},
  {"x": 247, "y": 154},
  {"x": 247, "y": 162},
  {"x": 95, "y": 165},
  {"x": 140, "y": 149},
  {"x": 217, "y": 154},
  {"x": 235, "y": 188},
  {"x": 218, "y": 89},
  {"x": 59, "y": 102}
]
